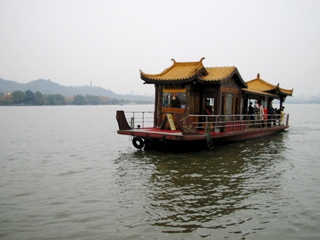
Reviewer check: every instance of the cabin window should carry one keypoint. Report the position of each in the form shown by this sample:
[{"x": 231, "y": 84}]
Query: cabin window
[
  {"x": 229, "y": 101},
  {"x": 236, "y": 106},
  {"x": 174, "y": 98},
  {"x": 222, "y": 105},
  {"x": 241, "y": 106}
]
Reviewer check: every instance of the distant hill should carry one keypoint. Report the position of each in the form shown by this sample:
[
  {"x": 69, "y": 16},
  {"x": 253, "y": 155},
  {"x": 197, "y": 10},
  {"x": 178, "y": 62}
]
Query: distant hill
[{"x": 49, "y": 87}]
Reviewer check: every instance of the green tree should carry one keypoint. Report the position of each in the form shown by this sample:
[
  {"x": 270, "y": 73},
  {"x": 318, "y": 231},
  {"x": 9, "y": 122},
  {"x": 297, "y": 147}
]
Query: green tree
[
  {"x": 18, "y": 97},
  {"x": 55, "y": 99},
  {"x": 79, "y": 100},
  {"x": 4, "y": 101},
  {"x": 93, "y": 100},
  {"x": 30, "y": 99},
  {"x": 38, "y": 98}
]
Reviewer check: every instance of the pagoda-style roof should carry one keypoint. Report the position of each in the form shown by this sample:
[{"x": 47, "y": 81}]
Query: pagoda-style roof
[
  {"x": 219, "y": 73},
  {"x": 183, "y": 72},
  {"x": 259, "y": 85}
]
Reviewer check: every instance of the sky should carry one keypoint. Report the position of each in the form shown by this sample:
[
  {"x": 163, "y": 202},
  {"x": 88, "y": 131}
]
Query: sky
[{"x": 107, "y": 42}]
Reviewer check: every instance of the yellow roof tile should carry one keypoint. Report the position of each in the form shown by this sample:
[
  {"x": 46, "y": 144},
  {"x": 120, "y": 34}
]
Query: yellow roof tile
[
  {"x": 183, "y": 71},
  {"x": 189, "y": 71},
  {"x": 260, "y": 85},
  {"x": 218, "y": 73}
]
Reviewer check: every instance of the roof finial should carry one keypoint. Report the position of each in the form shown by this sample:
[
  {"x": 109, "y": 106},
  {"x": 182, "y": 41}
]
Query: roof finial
[
  {"x": 258, "y": 76},
  {"x": 202, "y": 59},
  {"x": 174, "y": 61}
]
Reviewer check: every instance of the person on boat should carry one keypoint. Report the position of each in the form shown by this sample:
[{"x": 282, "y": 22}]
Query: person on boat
[
  {"x": 251, "y": 112},
  {"x": 270, "y": 114},
  {"x": 175, "y": 101},
  {"x": 256, "y": 107},
  {"x": 265, "y": 116},
  {"x": 261, "y": 113},
  {"x": 276, "y": 118},
  {"x": 282, "y": 114},
  {"x": 165, "y": 100},
  {"x": 208, "y": 108}
]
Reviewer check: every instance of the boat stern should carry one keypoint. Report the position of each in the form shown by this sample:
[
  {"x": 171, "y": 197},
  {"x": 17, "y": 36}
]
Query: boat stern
[{"x": 122, "y": 121}]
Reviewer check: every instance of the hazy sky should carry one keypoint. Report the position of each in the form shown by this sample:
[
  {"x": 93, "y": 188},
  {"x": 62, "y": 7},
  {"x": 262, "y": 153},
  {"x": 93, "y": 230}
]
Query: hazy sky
[{"x": 74, "y": 42}]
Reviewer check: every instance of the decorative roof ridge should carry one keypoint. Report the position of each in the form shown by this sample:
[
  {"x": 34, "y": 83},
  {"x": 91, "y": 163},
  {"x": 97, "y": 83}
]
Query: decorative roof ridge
[
  {"x": 188, "y": 63},
  {"x": 175, "y": 63},
  {"x": 284, "y": 90},
  {"x": 222, "y": 67},
  {"x": 262, "y": 81}
]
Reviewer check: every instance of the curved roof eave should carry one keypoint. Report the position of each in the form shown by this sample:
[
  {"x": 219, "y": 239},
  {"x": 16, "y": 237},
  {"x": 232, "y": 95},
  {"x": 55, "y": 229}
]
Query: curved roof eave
[
  {"x": 159, "y": 74},
  {"x": 285, "y": 92},
  {"x": 280, "y": 91},
  {"x": 172, "y": 81},
  {"x": 177, "y": 72},
  {"x": 259, "y": 93}
]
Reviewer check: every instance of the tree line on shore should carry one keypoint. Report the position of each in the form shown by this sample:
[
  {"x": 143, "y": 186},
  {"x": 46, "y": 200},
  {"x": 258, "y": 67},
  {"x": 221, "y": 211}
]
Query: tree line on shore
[{"x": 30, "y": 98}]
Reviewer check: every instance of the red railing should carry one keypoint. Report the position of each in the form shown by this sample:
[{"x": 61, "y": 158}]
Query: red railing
[{"x": 217, "y": 123}]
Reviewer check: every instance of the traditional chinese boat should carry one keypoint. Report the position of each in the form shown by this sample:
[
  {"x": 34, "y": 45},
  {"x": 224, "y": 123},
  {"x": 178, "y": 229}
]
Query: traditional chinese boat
[{"x": 197, "y": 106}]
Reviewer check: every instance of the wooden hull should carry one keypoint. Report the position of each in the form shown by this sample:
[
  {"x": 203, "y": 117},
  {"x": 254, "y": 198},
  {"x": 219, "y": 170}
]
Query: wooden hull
[
  {"x": 248, "y": 134},
  {"x": 222, "y": 137},
  {"x": 166, "y": 139}
]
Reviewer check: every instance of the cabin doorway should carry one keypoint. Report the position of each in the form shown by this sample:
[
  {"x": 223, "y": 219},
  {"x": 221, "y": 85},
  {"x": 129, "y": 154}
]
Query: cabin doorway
[
  {"x": 209, "y": 106},
  {"x": 208, "y": 103}
]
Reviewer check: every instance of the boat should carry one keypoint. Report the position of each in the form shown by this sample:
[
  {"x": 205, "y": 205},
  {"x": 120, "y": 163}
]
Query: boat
[{"x": 197, "y": 106}]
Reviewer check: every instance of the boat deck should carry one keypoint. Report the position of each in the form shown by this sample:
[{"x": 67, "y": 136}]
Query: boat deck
[
  {"x": 181, "y": 130},
  {"x": 178, "y": 135}
]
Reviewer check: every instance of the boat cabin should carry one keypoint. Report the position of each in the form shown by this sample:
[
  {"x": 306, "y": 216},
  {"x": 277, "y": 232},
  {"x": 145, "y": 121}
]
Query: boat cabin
[{"x": 191, "y": 88}]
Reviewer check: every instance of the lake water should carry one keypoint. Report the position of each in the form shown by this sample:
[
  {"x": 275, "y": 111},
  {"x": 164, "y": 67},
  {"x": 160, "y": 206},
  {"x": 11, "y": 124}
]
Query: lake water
[{"x": 66, "y": 174}]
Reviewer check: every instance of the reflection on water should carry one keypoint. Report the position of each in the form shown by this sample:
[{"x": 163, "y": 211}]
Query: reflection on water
[{"x": 182, "y": 193}]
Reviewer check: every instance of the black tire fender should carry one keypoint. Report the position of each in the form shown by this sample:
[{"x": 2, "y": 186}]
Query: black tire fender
[
  {"x": 138, "y": 142},
  {"x": 162, "y": 145},
  {"x": 148, "y": 143}
]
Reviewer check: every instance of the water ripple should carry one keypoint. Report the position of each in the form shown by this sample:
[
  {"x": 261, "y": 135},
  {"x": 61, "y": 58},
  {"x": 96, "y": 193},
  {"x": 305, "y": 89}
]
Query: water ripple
[{"x": 74, "y": 180}]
